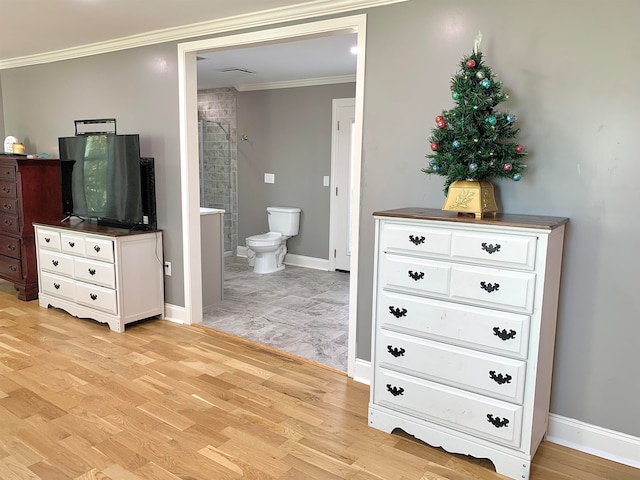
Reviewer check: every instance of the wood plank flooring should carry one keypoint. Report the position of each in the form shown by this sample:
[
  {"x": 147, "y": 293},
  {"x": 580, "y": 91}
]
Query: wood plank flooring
[{"x": 165, "y": 402}]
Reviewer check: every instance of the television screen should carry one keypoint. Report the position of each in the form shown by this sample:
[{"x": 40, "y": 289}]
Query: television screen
[{"x": 101, "y": 178}]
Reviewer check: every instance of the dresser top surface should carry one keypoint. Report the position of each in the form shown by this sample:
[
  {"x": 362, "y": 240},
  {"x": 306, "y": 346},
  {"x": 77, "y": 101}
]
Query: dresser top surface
[
  {"x": 92, "y": 227},
  {"x": 500, "y": 219}
]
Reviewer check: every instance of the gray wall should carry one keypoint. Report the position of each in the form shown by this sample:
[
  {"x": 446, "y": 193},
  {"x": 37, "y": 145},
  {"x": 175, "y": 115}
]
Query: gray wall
[
  {"x": 289, "y": 135},
  {"x": 572, "y": 81}
]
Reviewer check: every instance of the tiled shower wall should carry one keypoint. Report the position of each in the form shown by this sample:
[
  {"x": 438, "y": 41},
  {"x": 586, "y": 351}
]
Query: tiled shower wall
[{"x": 218, "y": 173}]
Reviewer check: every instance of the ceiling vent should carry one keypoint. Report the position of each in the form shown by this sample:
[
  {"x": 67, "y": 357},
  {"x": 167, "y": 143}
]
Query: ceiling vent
[{"x": 245, "y": 71}]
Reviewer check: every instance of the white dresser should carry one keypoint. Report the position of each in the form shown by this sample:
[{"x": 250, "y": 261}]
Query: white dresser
[
  {"x": 464, "y": 331},
  {"x": 107, "y": 274}
]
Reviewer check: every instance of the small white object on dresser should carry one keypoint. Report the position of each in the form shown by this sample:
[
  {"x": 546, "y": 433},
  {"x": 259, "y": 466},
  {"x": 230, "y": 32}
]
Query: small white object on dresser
[
  {"x": 111, "y": 275},
  {"x": 464, "y": 331}
]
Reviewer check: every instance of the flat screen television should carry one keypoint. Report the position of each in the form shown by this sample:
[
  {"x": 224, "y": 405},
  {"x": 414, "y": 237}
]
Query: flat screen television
[{"x": 104, "y": 178}]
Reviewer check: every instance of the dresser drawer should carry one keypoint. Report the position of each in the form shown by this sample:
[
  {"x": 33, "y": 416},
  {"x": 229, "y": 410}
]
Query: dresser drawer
[
  {"x": 48, "y": 239},
  {"x": 515, "y": 251},
  {"x": 7, "y": 172},
  {"x": 11, "y": 268},
  {"x": 96, "y": 297},
  {"x": 8, "y": 189},
  {"x": 98, "y": 273},
  {"x": 99, "y": 248},
  {"x": 482, "y": 373},
  {"x": 9, "y": 205},
  {"x": 415, "y": 275},
  {"x": 73, "y": 244},
  {"x": 9, "y": 223},
  {"x": 491, "y": 419},
  {"x": 56, "y": 263},
  {"x": 480, "y": 328},
  {"x": 415, "y": 240},
  {"x": 9, "y": 246},
  {"x": 58, "y": 286},
  {"x": 493, "y": 287}
]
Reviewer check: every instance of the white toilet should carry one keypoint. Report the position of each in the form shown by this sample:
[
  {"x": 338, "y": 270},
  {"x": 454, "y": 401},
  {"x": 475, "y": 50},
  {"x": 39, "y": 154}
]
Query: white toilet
[{"x": 266, "y": 252}]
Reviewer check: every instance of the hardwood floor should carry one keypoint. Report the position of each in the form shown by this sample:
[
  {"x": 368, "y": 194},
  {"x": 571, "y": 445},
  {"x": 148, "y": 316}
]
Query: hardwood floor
[{"x": 165, "y": 402}]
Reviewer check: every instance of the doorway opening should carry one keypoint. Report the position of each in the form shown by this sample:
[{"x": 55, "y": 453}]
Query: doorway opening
[{"x": 187, "y": 71}]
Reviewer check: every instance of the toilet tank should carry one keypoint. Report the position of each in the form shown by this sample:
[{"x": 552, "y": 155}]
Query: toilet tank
[{"x": 284, "y": 220}]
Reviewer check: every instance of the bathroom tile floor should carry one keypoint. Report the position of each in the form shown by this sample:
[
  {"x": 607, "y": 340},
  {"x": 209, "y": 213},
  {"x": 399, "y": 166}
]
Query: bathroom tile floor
[{"x": 298, "y": 310}]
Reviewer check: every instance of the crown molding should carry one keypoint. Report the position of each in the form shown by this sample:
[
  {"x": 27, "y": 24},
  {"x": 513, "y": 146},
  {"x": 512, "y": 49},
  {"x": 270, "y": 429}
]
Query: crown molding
[
  {"x": 307, "y": 82},
  {"x": 301, "y": 11}
]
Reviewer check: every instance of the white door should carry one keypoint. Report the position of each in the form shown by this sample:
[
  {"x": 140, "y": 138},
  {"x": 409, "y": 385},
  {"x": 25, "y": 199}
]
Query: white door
[{"x": 344, "y": 114}]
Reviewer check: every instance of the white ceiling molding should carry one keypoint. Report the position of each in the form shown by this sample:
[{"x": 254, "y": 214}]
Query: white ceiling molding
[
  {"x": 301, "y": 11},
  {"x": 307, "y": 82}
]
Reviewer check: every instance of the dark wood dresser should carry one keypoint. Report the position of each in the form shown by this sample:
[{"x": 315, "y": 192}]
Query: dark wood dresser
[{"x": 29, "y": 192}]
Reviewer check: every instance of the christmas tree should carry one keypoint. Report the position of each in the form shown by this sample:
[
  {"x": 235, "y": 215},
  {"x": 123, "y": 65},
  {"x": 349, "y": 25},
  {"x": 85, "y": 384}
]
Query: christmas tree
[{"x": 473, "y": 141}]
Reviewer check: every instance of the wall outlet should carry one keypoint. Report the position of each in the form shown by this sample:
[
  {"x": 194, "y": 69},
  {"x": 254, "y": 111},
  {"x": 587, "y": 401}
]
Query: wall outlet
[
  {"x": 167, "y": 269},
  {"x": 269, "y": 178},
  {"x": 325, "y": 181}
]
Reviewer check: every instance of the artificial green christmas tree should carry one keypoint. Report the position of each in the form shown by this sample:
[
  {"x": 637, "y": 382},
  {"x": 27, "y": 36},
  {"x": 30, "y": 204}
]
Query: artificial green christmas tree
[{"x": 473, "y": 141}]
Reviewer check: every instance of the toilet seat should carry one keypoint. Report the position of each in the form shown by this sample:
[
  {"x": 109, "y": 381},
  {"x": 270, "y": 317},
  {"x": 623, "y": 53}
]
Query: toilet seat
[{"x": 265, "y": 239}]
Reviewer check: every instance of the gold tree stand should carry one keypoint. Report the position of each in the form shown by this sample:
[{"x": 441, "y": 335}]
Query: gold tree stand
[{"x": 472, "y": 197}]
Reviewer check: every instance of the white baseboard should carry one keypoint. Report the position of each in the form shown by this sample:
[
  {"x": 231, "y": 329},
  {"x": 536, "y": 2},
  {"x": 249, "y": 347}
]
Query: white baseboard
[
  {"x": 615, "y": 446},
  {"x": 297, "y": 260},
  {"x": 175, "y": 314},
  {"x": 362, "y": 371}
]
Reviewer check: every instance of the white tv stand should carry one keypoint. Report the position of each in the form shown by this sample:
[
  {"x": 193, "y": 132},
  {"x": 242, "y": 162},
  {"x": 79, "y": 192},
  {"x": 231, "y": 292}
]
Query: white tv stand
[{"x": 111, "y": 275}]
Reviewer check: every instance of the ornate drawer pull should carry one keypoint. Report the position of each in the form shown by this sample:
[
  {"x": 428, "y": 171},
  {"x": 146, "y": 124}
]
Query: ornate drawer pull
[
  {"x": 13, "y": 268},
  {"x": 47, "y": 239},
  {"x": 96, "y": 248},
  {"x": 6, "y": 189},
  {"x": 55, "y": 263},
  {"x": 72, "y": 244},
  {"x": 56, "y": 286},
  {"x": 8, "y": 222},
  {"x": 93, "y": 296},
  {"x": 416, "y": 275},
  {"x": 395, "y": 391},
  {"x": 489, "y": 287},
  {"x": 395, "y": 351},
  {"x": 416, "y": 240},
  {"x": 7, "y": 206},
  {"x": 397, "y": 312},
  {"x": 497, "y": 421},
  {"x": 499, "y": 378},
  {"x": 490, "y": 248},
  {"x": 92, "y": 271},
  {"x": 503, "y": 334},
  {"x": 11, "y": 247}
]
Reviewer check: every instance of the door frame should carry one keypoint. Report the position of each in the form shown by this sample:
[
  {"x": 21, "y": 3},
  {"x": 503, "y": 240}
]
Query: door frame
[{"x": 189, "y": 171}]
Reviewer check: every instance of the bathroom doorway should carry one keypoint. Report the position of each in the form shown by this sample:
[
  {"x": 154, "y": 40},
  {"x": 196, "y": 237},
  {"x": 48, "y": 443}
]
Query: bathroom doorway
[{"x": 189, "y": 150}]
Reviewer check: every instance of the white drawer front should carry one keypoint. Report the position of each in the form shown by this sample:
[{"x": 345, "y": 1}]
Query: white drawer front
[
  {"x": 492, "y": 287},
  {"x": 73, "y": 244},
  {"x": 99, "y": 248},
  {"x": 415, "y": 275},
  {"x": 515, "y": 251},
  {"x": 57, "y": 286},
  {"x": 48, "y": 239},
  {"x": 96, "y": 297},
  {"x": 483, "y": 373},
  {"x": 464, "y": 411},
  {"x": 490, "y": 330},
  {"x": 415, "y": 239},
  {"x": 56, "y": 262},
  {"x": 98, "y": 273}
]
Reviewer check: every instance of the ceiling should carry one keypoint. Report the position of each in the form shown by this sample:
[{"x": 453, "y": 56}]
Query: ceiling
[{"x": 38, "y": 27}]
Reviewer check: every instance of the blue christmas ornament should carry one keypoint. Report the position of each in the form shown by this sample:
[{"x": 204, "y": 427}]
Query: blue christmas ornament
[
  {"x": 455, "y": 95},
  {"x": 491, "y": 120},
  {"x": 436, "y": 168},
  {"x": 456, "y": 143},
  {"x": 510, "y": 118},
  {"x": 473, "y": 167},
  {"x": 432, "y": 162},
  {"x": 485, "y": 83},
  {"x": 516, "y": 177}
]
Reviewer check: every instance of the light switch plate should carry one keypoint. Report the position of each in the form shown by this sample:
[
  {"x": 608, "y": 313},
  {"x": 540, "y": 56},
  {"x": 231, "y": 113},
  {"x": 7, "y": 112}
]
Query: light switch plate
[
  {"x": 269, "y": 178},
  {"x": 325, "y": 181}
]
